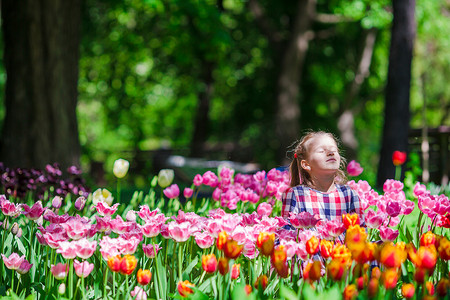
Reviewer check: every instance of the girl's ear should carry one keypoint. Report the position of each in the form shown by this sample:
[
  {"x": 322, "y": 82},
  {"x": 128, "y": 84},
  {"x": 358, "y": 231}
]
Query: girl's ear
[{"x": 305, "y": 165}]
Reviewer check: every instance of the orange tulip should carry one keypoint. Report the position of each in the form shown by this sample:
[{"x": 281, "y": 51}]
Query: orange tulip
[
  {"x": 265, "y": 243},
  {"x": 444, "y": 248},
  {"x": 262, "y": 281},
  {"x": 427, "y": 239},
  {"x": 312, "y": 271},
  {"x": 248, "y": 289},
  {"x": 355, "y": 234},
  {"x": 350, "y": 220},
  {"x": 144, "y": 276},
  {"x": 420, "y": 274},
  {"x": 350, "y": 292},
  {"x": 114, "y": 263},
  {"x": 232, "y": 249},
  {"x": 128, "y": 264},
  {"x": 312, "y": 245},
  {"x": 235, "y": 271},
  {"x": 209, "y": 263},
  {"x": 342, "y": 253},
  {"x": 442, "y": 287},
  {"x": 221, "y": 240},
  {"x": 430, "y": 288},
  {"x": 223, "y": 266},
  {"x": 391, "y": 256},
  {"x": 376, "y": 273},
  {"x": 360, "y": 269},
  {"x": 372, "y": 287},
  {"x": 336, "y": 269},
  {"x": 279, "y": 256},
  {"x": 390, "y": 278},
  {"x": 326, "y": 248},
  {"x": 361, "y": 282},
  {"x": 184, "y": 288},
  {"x": 408, "y": 290},
  {"x": 363, "y": 252},
  {"x": 426, "y": 257}
]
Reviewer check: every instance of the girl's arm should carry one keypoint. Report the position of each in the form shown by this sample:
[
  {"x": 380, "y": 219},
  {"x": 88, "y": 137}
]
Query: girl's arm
[
  {"x": 355, "y": 206},
  {"x": 289, "y": 203}
]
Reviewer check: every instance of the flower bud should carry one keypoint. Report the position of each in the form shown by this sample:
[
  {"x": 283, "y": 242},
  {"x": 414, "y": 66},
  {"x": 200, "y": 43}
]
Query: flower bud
[
  {"x": 61, "y": 289},
  {"x": 265, "y": 243},
  {"x": 184, "y": 288},
  {"x": 56, "y": 202},
  {"x": 312, "y": 245},
  {"x": 235, "y": 271},
  {"x": 15, "y": 228},
  {"x": 79, "y": 203},
  {"x": 120, "y": 168},
  {"x": 223, "y": 266},
  {"x": 262, "y": 281},
  {"x": 209, "y": 263},
  {"x": 350, "y": 292},
  {"x": 165, "y": 177},
  {"x": 143, "y": 276}
]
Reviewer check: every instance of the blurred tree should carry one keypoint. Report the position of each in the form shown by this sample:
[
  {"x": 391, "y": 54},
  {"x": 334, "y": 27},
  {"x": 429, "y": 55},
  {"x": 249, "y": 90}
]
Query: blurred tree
[
  {"x": 397, "y": 107},
  {"x": 41, "y": 42}
]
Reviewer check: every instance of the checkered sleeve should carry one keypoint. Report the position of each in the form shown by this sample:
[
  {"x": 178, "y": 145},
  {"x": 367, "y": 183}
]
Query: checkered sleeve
[
  {"x": 355, "y": 205},
  {"x": 289, "y": 202}
]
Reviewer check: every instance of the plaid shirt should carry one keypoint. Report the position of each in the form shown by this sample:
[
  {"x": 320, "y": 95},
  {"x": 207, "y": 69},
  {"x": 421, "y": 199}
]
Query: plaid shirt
[{"x": 328, "y": 206}]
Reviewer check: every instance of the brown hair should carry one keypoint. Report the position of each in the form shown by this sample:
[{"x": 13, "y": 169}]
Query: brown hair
[{"x": 301, "y": 176}]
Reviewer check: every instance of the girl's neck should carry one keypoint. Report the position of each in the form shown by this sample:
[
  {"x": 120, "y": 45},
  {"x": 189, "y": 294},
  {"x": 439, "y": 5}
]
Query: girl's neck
[{"x": 324, "y": 184}]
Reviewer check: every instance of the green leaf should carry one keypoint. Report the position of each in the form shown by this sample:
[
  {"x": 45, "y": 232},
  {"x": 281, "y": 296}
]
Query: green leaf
[
  {"x": 189, "y": 268},
  {"x": 21, "y": 247},
  {"x": 198, "y": 295},
  {"x": 287, "y": 293}
]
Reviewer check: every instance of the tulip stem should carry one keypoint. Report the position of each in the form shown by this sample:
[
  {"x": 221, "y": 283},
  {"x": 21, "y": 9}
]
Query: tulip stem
[
  {"x": 114, "y": 285},
  {"x": 70, "y": 278},
  {"x": 12, "y": 281},
  {"x": 398, "y": 172},
  {"x": 105, "y": 277},
  {"x": 156, "y": 280},
  {"x": 180, "y": 260},
  {"x": 118, "y": 190},
  {"x": 83, "y": 289}
]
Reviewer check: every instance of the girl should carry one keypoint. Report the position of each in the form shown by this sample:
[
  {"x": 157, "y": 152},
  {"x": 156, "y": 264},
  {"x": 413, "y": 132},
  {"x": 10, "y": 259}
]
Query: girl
[{"x": 317, "y": 180}]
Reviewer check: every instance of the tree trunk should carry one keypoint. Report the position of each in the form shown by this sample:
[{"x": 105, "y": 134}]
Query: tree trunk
[
  {"x": 41, "y": 54},
  {"x": 396, "y": 111},
  {"x": 288, "y": 108},
  {"x": 346, "y": 119}
]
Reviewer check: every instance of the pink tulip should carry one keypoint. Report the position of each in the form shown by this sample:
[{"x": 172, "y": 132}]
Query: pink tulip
[
  {"x": 198, "y": 180},
  {"x": 34, "y": 212},
  {"x": 393, "y": 208},
  {"x": 303, "y": 220},
  {"x": 374, "y": 219},
  {"x": 264, "y": 209},
  {"x": 151, "y": 228},
  {"x": 407, "y": 207},
  {"x": 104, "y": 209},
  {"x": 82, "y": 269},
  {"x": 53, "y": 239},
  {"x": 131, "y": 216},
  {"x": 24, "y": 267},
  {"x": 217, "y": 194},
  {"x": 250, "y": 250},
  {"x": 333, "y": 228},
  {"x": 76, "y": 228},
  {"x": 57, "y": 202},
  {"x": 14, "y": 261},
  {"x": 79, "y": 203},
  {"x": 119, "y": 226},
  {"x": 354, "y": 168},
  {"x": 54, "y": 218},
  {"x": 210, "y": 179},
  {"x": 10, "y": 209},
  {"x": 260, "y": 176},
  {"x": 144, "y": 212},
  {"x": 420, "y": 189},
  {"x": 179, "y": 232},
  {"x": 103, "y": 224},
  {"x": 187, "y": 193},
  {"x": 151, "y": 250},
  {"x": 388, "y": 234},
  {"x": 60, "y": 270},
  {"x": 392, "y": 185},
  {"x": 204, "y": 240},
  {"x": 67, "y": 250},
  {"x": 128, "y": 246},
  {"x": 138, "y": 293},
  {"x": 172, "y": 191},
  {"x": 84, "y": 248}
]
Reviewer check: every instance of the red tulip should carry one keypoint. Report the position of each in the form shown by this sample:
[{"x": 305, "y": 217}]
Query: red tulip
[{"x": 398, "y": 158}]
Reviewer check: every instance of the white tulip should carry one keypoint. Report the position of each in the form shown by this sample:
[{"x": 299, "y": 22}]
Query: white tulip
[
  {"x": 165, "y": 177},
  {"x": 121, "y": 167},
  {"x": 102, "y": 195}
]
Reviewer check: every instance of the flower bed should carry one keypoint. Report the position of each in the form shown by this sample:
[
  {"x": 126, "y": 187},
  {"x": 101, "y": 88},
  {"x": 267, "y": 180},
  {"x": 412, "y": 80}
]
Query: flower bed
[{"x": 234, "y": 245}]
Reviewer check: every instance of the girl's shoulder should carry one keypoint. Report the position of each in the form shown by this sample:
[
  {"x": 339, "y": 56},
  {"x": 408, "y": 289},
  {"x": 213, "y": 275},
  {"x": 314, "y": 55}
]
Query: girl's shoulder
[{"x": 346, "y": 189}]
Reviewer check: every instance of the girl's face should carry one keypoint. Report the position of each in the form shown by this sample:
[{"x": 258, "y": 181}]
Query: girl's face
[{"x": 322, "y": 156}]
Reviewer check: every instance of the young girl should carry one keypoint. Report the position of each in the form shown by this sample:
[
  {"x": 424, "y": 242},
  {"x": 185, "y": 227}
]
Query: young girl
[{"x": 317, "y": 180}]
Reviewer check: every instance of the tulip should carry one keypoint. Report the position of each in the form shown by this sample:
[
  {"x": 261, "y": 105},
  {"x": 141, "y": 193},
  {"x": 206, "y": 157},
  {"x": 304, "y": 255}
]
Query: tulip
[
  {"x": 390, "y": 278},
  {"x": 355, "y": 234},
  {"x": 114, "y": 263},
  {"x": 408, "y": 290},
  {"x": 34, "y": 212},
  {"x": 24, "y": 267},
  {"x": 303, "y": 220},
  {"x": 209, "y": 263},
  {"x": 232, "y": 249},
  {"x": 120, "y": 168},
  {"x": 143, "y": 276},
  {"x": 138, "y": 293},
  {"x": 223, "y": 265},
  {"x": 264, "y": 209},
  {"x": 372, "y": 287},
  {"x": 265, "y": 243},
  {"x": 165, "y": 177},
  {"x": 172, "y": 191},
  {"x": 188, "y": 192},
  {"x": 313, "y": 245},
  {"x": 354, "y": 168},
  {"x": 398, "y": 158},
  {"x": 60, "y": 270},
  {"x": 57, "y": 202},
  {"x": 62, "y": 289},
  {"x": 428, "y": 239},
  {"x": 444, "y": 248},
  {"x": 350, "y": 292},
  {"x": 442, "y": 287},
  {"x": 128, "y": 264},
  {"x": 312, "y": 271},
  {"x": 262, "y": 282},
  {"x": 82, "y": 269},
  {"x": 104, "y": 209},
  {"x": 221, "y": 240},
  {"x": 79, "y": 203},
  {"x": 337, "y": 269},
  {"x": 102, "y": 195},
  {"x": 184, "y": 288},
  {"x": 14, "y": 261},
  {"x": 430, "y": 288},
  {"x": 151, "y": 250},
  {"x": 392, "y": 256},
  {"x": 235, "y": 271},
  {"x": 326, "y": 248},
  {"x": 248, "y": 289},
  {"x": 341, "y": 253}
]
